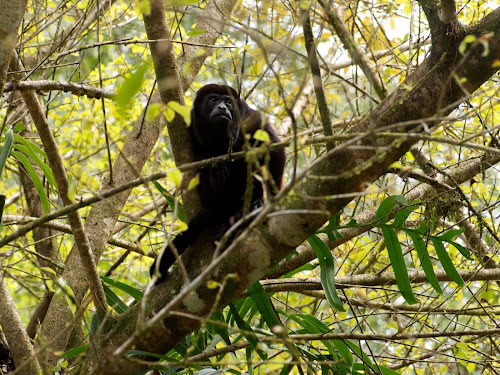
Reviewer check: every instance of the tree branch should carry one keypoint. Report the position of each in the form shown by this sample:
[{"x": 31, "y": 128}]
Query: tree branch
[
  {"x": 56, "y": 164},
  {"x": 75, "y": 88},
  {"x": 19, "y": 342}
]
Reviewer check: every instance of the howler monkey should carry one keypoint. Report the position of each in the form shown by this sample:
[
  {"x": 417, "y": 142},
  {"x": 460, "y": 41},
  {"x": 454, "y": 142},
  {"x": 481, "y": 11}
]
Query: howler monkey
[{"x": 222, "y": 122}]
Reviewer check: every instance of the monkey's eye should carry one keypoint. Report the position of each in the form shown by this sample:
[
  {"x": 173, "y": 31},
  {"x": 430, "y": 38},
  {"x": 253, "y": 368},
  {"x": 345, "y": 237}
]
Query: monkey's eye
[
  {"x": 229, "y": 102},
  {"x": 212, "y": 99}
]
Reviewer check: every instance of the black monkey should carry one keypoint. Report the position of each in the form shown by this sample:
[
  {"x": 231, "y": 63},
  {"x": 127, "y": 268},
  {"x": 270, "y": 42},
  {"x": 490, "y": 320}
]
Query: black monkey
[{"x": 222, "y": 122}]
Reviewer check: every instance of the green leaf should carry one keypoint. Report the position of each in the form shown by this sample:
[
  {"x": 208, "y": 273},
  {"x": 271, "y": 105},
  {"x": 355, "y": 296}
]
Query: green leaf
[
  {"x": 305, "y": 267},
  {"x": 313, "y": 325},
  {"x": 327, "y": 271},
  {"x": 30, "y": 145},
  {"x": 398, "y": 264},
  {"x": 36, "y": 180},
  {"x": 113, "y": 300},
  {"x": 75, "y": 351},
  {"x": 250, "y": 336},
  {"x": 180, "y": 3},
  {"x": 263, "y": 304},
  {"x": 196, "y": 32},
  {"x": 221, "y": 329},
  {"x": 387, "y": 371},
  {"x": 171, "y": 201},
  {"x": 359, "y": 353},
  {"x": 287, "y": 368},
  {"x": 130, "y": 87},
  {"x": 449, "y": 235},
  {"x": 446, "y": 262},
  {"x": 262, "y": 135},
  {"x": 6, "y": 149},
  {"x": 153, "y": 111},
  {"x": 43, "y": 166},
  {"x": 142, "y": 353},
  {"x": 425, "y": 259},
  {"x": 463, "y": 44},
  {"x": 182, "y": 110},
  {"x": 131, "y": 291},
  {"x": 465, "y": 252},
  {"x": 387, "y": 205},
  {"x": 331, "y": 228},
  {"x": 402, "y": 215},
  {"x": 19, "y": 127}
]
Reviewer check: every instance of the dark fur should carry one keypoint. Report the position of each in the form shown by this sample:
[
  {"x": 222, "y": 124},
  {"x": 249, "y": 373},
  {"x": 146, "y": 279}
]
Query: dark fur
[{"x": 222, "y": 186}]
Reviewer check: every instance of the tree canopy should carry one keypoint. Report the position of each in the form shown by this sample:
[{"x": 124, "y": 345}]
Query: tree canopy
[{"x": 379, "y": 254}]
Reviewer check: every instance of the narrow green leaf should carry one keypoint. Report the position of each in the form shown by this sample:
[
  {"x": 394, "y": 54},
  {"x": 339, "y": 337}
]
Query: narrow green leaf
[
  {"x": 313, "y": 325},
  {"x": 446, "y": 262},
  {"x": 263, "y": 304},
  {"x": 305, "y": 267},
  {"x": 465, "y": 252},
  {"x": 425, "y": 259},
  {"x": 30, "y": 145},
  {"x": 220, "y": 329},
  {"x": 287, "y": 368},
  {"x": 359, "y": 353},
  {"x": 387, "y": 205},
  {"x": 450, "y": 234},
  {"x": 327, "y": 271},
  {"x": 171, "y": 201},
  {"x": 75, "y": 351},
  {"x": 43, "y": 166},
  {"x": 313, "y": 328},
  {"x": 130, "y": 290},
  {"x": 36, "y": 180},
  {"x": 113, "y": 300},
  {"x": 6, "y": 148},
  {"x": 142, "y": 353},
  {"x": 331, "y": 229},
  {"x": 398, "y": 264},
  {"x": 251, "y": 337},
  {"x": 402, "y": 215},
  {"x": 448, "y": 237}
]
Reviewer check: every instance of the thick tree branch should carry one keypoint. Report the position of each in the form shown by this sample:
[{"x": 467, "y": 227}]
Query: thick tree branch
[
  {"x": 10, "y": 20},
  {"x": 19, "y": 342},
  {"x": 56, "y": 164}
]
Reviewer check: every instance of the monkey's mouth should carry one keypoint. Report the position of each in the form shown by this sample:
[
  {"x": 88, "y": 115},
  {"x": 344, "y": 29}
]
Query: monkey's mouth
[{"x": 222, "y": 119}]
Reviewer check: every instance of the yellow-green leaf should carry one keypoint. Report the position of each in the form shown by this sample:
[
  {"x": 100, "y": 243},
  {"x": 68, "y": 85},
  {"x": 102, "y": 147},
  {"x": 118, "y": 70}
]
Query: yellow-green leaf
[
  {"x": 262, "y": 135},
  {"x": 182, "y": 110},
  {"x": 175, "y": 176},
  {"x": 153, "y": 111},
  {"x": 463, "y": 44}
]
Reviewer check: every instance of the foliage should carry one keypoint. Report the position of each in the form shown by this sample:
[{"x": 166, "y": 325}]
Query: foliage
[{"x": 350, "y": 304}]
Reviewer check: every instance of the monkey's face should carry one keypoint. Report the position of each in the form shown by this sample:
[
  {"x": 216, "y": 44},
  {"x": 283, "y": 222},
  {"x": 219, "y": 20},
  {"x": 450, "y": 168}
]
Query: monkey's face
[{"x": 220, "y": 109}]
